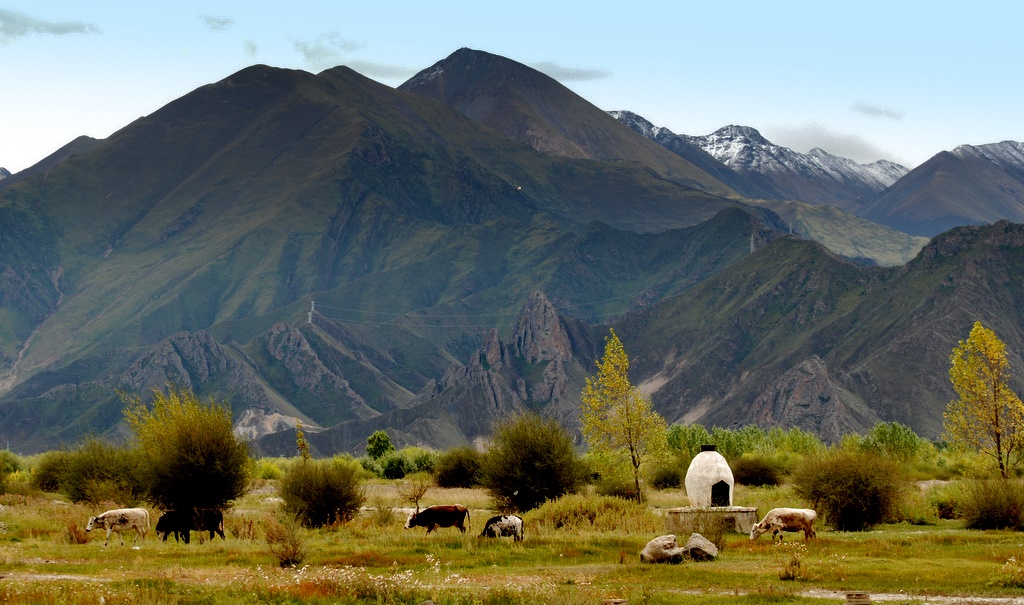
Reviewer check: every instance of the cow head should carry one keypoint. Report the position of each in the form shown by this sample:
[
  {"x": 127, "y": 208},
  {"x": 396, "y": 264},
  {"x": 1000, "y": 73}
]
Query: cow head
[
  {"x": 89, "y": 526},
  {"x": 411, "y": 521},
  {"x": 757, "y": 530}
]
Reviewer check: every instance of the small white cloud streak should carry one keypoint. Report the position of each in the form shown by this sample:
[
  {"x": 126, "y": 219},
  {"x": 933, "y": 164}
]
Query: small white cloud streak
[
  {"x": 804, "y": 137},
  {"x": 15, "y": 25},
  {"x": 332, "y": 49},
  {"x": 327, "y": 50},
  {"x": 215, "y": 23},
  {"x": 563, "y": 73},
  {"x": 250, "y": 48},
  {"x": 877, "y": 111}
]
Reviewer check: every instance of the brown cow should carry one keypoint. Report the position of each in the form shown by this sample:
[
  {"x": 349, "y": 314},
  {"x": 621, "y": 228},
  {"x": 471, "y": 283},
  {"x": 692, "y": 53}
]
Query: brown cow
[
  {"x": 779, "y": 520},
  {"x": 441, "y": 515}
]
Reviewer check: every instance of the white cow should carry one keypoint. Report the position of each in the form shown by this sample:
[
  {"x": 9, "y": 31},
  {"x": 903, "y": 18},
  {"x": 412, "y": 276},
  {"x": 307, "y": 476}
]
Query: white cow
[
  {"x": 502, "y": 526},
  {"x": 121, "y": 520},
  {"x": 779, "y": 520}
]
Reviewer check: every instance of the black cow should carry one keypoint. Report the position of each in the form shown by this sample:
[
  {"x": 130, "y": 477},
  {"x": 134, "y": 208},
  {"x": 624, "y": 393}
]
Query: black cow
[
  {"x": 503, "y": 526},
  {"x": 182, "y": 522},
  {"x": 211, "y": 520},
  {"x": 177, "y": 522},
  {"x": 441, "y": 515}
]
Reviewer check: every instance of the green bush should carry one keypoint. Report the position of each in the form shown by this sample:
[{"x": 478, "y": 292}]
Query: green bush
[
  {"x": 852, "y": 490},
  {"x": 98, "y": 472},
  {"x": 531, "y": 460},
  {"x": 459, "y": 467},
  {"x": 893, "y": 440},
  {"x": 394, "y": 466},
  {"x": 602, "y": 513},
  {"x": 49, "y": 471},
  {"x": 668, "y": 476},
  {"x": 755, "y": 471},
  {"x": 422, "y": 461},
  {"x": 191, "y": 456},
  {"x": 993, "y": 504},
  {"x": 322, "y": 492},
  {"x": 379, "y": 445},
  {"x": 618, "y": 485}
]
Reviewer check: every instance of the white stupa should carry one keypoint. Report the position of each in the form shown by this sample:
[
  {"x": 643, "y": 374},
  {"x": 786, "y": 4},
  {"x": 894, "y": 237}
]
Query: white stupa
[{"x": 709, "y": 479}]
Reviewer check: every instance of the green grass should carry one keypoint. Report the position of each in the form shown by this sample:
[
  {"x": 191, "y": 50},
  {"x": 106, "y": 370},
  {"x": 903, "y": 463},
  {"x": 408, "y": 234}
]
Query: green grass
[{"x": 364, "y": 562}]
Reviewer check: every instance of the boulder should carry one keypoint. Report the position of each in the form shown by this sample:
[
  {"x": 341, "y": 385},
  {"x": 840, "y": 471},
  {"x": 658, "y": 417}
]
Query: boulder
[
  {"x": 662, "y": 549},
  {"x": 700, "y": 548}
]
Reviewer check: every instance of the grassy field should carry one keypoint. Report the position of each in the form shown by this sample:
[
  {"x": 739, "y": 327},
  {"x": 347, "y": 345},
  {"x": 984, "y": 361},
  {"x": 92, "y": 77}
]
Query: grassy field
[{"x": 372, "y": 559}]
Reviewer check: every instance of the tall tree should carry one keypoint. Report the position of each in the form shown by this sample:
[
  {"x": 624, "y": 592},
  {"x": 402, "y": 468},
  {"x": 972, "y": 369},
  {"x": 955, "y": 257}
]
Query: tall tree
[
  {"x": 618, "y": 421},
  {"x": 189, "y": 451},
  {"x": 987, "y": 415}
]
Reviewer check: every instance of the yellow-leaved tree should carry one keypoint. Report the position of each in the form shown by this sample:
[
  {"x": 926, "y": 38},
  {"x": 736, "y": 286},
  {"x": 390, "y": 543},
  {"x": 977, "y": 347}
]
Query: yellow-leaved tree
[
  {"x": 987, "y": 416},
  {"x": 618, "y": 421}
]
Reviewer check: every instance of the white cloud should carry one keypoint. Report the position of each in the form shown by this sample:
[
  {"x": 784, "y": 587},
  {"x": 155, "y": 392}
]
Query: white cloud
[
  {"x": 217, "y": 24},
  {"x": 877, "y": 111},
  {"x": 804, "y": 137},
  {"x": 250, "y": 48},
  {"x": 327, "y": 50},
  {"x": 15, "y": 25},
  {"x": 332, "y": 49},
  {"x": 563, "y": 73}
]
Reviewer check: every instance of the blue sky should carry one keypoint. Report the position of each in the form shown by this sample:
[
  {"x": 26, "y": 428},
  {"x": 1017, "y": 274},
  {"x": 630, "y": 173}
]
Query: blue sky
[{"x": 865, "y": 80}]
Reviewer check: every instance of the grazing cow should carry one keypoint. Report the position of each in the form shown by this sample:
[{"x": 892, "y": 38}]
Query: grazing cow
[
  {"x": 177, "y": 522},
  {"x": 211, "y": 520},
  {"x": 441, "y": 515},
  {"x": 779, "y": 520},
  {"x": 121, "y": 520},
  {"x": 182, "y": 522},
  {"x": 502, "y": 526}
]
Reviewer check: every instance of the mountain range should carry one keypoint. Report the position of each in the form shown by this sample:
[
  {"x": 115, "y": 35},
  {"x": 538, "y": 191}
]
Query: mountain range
[{"x": 430, "y": 259}]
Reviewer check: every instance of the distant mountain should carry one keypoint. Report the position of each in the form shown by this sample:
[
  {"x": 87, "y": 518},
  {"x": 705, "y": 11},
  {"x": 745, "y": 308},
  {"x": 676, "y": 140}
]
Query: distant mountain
[
  {"x": 535, "y": 109},
  {"x": 776, "y": 172},
  {"x": 971, "y": 185},
  {"x": 794, "y": 336},
  {"x": 325, "y": 249},
  {"x": 789, "y": 336},
  {"x": 840, "y": 230},
  {"x": 79, "y": 145},
  {"x": 4, "y": 173},
  {"x": 187, "y": 247}
]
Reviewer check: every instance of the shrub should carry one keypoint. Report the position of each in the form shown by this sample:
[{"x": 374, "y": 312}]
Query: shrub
[
  {"x": 531, "y": 460},
  {"x": 459, "y": 467},
  {"x": 322, "y": 492},
  {"x": 893, "y": 440},
  {"x": 602, "y": 513},
  {"x": 755, "y": 471},
  {"x": 414, "y": 488},
  {"x": 394, "y": 466},
  {"x": 668, "y": 476},
  {"x": 422, "y": 461},
  {"x": 50, "y": 470},
  {"x": 100, "y": 472},
  {"x": 267, "y": 470},
  {"x": 853, "y": 490},
  {"x": 379, "y": 445},
  {"x": 618, "y": 483},
  {"x": 287, "y": 541},
  {"x": 993, "y": 504},
  {"x": 190, "y": 454}
]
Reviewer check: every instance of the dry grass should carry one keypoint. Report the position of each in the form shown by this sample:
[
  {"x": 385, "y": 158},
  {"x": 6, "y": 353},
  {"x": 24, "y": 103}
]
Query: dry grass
[{"x": 367, "y": 562}]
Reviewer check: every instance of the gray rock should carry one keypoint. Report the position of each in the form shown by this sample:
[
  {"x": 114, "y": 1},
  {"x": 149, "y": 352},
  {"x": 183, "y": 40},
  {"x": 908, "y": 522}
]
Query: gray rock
[
  {"x": 663, "y": 549},
  {"x": 700, "y": 548}
]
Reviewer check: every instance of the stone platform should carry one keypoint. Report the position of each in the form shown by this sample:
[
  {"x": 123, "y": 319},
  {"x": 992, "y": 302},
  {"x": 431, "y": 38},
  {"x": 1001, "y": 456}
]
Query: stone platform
[{"x": 689, "y": 519}]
